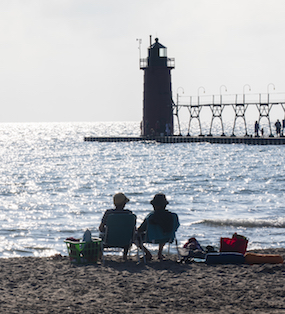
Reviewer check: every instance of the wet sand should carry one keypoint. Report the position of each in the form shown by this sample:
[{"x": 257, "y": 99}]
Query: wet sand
[{"x": 53, "y": 285}]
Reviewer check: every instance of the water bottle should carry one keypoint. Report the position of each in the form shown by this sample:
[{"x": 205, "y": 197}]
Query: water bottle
[{"x": 87, "y": 236}]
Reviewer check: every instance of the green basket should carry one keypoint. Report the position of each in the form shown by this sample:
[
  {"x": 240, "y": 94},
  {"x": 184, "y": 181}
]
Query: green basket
[{"x": 84, "y": 252}]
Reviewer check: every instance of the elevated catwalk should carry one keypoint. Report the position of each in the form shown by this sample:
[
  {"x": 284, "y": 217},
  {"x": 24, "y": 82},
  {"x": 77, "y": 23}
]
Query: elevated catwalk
[
  {"x": 195, "y": 139},
  {"x": 262, "y": 103}
]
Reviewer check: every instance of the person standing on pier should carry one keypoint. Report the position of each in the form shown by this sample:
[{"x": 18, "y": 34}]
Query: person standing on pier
[
  {"x": 278, "y": 127},
  {"x": 256, "y": 129}
]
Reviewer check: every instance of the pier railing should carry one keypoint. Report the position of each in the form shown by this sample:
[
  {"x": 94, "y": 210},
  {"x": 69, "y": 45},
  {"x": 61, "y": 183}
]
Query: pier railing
[{"x": 227, "y": 100}]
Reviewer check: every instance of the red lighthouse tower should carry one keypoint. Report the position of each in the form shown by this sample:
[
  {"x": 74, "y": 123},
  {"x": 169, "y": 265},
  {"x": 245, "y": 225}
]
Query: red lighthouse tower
[{"x": 157, "y": 102}]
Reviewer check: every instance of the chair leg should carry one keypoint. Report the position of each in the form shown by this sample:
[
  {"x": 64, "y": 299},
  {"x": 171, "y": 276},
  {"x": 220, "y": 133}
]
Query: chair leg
[
  {"x": 178, "y": 253},
  {"x": 125, "y": 253},
  {"x": 138, "y": 255},
  {"x": 139, "y": 245},
  {"x": 103, "y": 256}
]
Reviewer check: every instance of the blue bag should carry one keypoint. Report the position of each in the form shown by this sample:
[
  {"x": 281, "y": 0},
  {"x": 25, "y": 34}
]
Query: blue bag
[{"x": 225, "y": 258}]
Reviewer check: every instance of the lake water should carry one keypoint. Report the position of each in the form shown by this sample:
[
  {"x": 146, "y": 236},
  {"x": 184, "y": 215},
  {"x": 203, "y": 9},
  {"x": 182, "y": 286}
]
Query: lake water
[{"x": 53, "y": 185}]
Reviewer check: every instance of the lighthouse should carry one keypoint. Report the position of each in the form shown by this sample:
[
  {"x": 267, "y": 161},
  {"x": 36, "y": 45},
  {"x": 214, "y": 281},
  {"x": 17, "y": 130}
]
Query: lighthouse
[{"x": 157, "y": 95}]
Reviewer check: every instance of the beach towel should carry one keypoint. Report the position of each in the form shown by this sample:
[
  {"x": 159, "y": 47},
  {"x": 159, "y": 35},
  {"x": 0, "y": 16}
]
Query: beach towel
[{"x": 254, "y": 258}]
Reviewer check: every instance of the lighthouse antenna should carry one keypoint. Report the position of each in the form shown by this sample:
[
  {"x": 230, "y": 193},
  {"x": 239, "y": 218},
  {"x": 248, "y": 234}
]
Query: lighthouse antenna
[{"x": 140, "y": 42}]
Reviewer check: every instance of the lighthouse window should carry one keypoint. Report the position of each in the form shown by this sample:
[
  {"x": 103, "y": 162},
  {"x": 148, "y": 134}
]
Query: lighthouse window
[{"x": 162, "y": 52}]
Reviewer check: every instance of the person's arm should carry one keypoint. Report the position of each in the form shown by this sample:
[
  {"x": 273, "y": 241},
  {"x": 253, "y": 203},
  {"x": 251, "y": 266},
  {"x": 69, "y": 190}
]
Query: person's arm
[
  {"x": 177, "y": 224},
  {"x": 142, "y": 227},
  {"x": 103, "y": 221},
  {"x": 101, "y": 227}
]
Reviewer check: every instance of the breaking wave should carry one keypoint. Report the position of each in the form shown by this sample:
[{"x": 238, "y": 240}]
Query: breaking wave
[{"x": 246, "y": 223}]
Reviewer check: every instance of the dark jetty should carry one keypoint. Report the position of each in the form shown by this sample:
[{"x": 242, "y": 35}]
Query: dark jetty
[{"x": 194, "y": 139}]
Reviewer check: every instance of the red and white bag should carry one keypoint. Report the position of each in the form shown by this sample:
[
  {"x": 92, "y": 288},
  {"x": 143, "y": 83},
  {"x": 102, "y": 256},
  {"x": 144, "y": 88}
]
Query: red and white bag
[{"x": 237, "y": 243}]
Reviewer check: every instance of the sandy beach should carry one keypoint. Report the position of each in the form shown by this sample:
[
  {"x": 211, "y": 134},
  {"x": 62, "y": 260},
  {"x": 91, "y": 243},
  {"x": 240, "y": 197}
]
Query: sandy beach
[{"x": 53, "y": 285}]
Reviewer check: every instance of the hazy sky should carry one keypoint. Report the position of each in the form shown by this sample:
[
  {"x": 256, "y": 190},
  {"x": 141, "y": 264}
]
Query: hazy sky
[{"x": 78, "y": 60}]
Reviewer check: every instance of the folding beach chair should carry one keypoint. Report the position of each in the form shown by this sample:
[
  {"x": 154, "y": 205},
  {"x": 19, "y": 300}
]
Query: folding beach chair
[
  {"x": 119, "y": 233},
  {"x": 155, "y": 235}
]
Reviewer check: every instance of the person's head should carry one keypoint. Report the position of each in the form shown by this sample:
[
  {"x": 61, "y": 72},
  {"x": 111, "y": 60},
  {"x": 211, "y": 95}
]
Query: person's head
[
  {"x": 159, "y": 201},
  {"x": 120, "y": 200}
]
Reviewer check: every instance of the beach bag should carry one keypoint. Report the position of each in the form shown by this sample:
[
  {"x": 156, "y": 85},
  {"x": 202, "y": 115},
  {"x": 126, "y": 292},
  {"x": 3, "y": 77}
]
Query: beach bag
[
  {"x": 190, "y": 250},
  {"x": 237, "y": 243},
  {"x": 192, "y": 244}
]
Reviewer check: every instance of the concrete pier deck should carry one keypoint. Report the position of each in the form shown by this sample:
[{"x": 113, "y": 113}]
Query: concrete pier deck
[{"x": 194, "y": 139}]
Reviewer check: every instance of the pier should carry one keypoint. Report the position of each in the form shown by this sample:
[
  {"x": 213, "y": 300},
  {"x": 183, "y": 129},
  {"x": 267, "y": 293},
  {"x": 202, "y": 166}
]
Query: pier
[
  {"x": 263, "y": 103},
  {"x": 194, "y": 139}
]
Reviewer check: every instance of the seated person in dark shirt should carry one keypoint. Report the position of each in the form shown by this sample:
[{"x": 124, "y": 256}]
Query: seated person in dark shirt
[
  {"x": 120, "y": 201},
  {"x": 159, "y": 216}
]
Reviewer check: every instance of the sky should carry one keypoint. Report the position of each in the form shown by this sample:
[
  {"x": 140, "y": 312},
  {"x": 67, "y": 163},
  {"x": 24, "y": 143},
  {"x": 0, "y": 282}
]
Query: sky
[{"x": 78, "y": 60}]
